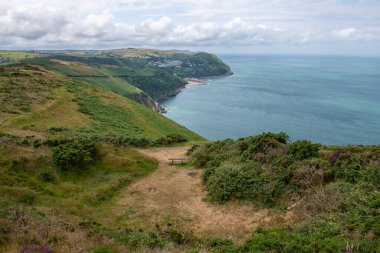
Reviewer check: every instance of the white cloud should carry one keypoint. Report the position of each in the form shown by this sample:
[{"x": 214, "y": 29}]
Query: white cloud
[
  {"x": 182, "y": 23},
  {"x": 161, "y": 26}
]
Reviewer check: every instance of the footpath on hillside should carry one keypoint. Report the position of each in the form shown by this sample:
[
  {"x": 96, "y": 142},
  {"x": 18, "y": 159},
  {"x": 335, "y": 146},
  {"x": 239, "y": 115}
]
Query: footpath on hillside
[{"x": 173, "y": 196}]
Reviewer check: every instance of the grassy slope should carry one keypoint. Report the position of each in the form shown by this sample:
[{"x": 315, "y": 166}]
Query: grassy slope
[
  {"x": 61, "y": 202},
  {"x": 35, "y": 100},
  {"x": 107, "y": 77}
]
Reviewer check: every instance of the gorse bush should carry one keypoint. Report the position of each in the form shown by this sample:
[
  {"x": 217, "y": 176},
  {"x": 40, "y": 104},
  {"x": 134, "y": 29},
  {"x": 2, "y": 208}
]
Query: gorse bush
[
  {"x": 261, "y": 143},
  {"x": 78, "y": 153},
  {"x": 170, "y": 139},
  {"x": 303, "y": 149},
  {"x": 229, "y": 182},
  {"x": 334, "y": 192},
  {"x": 233, "y": 169}
]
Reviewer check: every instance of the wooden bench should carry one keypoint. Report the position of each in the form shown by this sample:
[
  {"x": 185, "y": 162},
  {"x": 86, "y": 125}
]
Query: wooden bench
[{"x": 176, "y": 159}]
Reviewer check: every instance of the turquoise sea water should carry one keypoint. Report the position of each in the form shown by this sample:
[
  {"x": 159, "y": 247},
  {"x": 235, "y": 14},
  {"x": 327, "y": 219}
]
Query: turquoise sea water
[{"x": 330, "y": 100}]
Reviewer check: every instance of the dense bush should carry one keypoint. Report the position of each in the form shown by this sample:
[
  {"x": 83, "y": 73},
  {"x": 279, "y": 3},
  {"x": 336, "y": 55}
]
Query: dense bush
[
  {"x": 170, "y": 139},
  {"x": 228, "y": 182},
  {"x": 261, "y": 143},
  {"x": 336, "y": 193},
  {"x": 126, "y": 141},
  {"x": 233, "y": 169},
  {"x": 303, "y": 149},
  {"x": 78, "y": 153}
]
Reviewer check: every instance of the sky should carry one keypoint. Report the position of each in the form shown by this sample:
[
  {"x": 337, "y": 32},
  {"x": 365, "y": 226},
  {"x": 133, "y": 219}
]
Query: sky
[{"x": 331, "y": 27}]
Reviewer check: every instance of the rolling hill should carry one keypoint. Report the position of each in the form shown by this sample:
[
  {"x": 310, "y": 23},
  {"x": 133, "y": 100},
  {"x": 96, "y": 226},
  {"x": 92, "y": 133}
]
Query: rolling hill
[
  {"x": 144, "y": 75},
  {"x": 41, "y": 103}
]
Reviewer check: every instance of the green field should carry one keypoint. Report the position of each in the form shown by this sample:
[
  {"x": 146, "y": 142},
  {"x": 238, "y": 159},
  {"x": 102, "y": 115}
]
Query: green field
[{"x": 61, "y": 202}]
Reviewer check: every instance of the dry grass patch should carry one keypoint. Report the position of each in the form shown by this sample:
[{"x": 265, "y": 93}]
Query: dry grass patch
[{"x": 175, "y": 197}]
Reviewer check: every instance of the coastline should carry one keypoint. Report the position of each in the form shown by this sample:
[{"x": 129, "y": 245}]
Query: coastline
[
  {"x": 191, "y": 82},
  {"x": 195, "y": 82}
]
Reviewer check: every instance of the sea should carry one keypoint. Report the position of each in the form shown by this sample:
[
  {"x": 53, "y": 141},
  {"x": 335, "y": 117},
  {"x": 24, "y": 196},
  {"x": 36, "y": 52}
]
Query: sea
[{"x": 332, "y": 100}]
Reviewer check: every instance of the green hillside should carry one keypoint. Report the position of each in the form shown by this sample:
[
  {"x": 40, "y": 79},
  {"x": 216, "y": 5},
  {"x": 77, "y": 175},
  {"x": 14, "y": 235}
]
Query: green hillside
[
  {"x": 41, "y": 103},
  {"x": 144, "y": 75}
]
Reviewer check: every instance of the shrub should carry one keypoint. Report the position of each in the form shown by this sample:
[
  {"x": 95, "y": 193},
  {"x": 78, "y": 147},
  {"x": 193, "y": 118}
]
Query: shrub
[
  {"x": 372, "y": 224},
  {"x": 229, "y": 182},
  {"x": 261, "y": 143},
  {"x": 371, "y": 175},
  {"x": 54, "y": 142},
  {"x": 170, "y": 139},
  {"x": 200, "y": 157},
  {"x": 192, "y": 149},
  {"x": 126, "y": 141},
  {"x": 74, "y": 154},
  {"x": 308, "y": 174},
  {"x": 336, "y": 154},
  {"x": 303, "y": 149},
  {"x": 349, "y": 166},
  {"x": 36, "y": 143}
]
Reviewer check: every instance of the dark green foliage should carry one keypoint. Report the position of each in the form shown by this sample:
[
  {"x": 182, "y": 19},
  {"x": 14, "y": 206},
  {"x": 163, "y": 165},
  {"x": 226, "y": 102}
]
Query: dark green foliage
[
  {"x": 373, "y": 225},
  {"x": 349, "y": 166},
  {"x": 336, "y": 194},
  {"x": 303, "y": 149},
  {"x": 298, "y": 240},
  {"x": 78, "y": 153},
  {"x": 230, "y": 182},
  {"x": 170, "y": 139},
  {"x": 126, "y": 141},
  {"x": 159, "y": 86},
  {"x": 142, "y": 141},
  {"x": 233, "y": 169},
  {"x": 261, "y": 143}
]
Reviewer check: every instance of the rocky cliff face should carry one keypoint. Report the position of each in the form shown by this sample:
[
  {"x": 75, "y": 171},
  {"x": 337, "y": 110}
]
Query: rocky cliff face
[{"x": 144, "y": 99}]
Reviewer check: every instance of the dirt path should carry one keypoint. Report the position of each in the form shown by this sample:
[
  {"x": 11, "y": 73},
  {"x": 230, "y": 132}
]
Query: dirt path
[{"x": 173, "y": 196}]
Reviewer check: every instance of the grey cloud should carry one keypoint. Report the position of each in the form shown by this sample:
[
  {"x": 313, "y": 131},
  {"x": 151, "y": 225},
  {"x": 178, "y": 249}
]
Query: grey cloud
[{"x": 31, "y": 23}]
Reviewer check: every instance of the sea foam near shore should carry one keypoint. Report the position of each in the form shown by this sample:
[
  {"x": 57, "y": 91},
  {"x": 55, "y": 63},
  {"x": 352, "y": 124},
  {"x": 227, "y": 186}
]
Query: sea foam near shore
[{"x": 196, "y": 82}]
